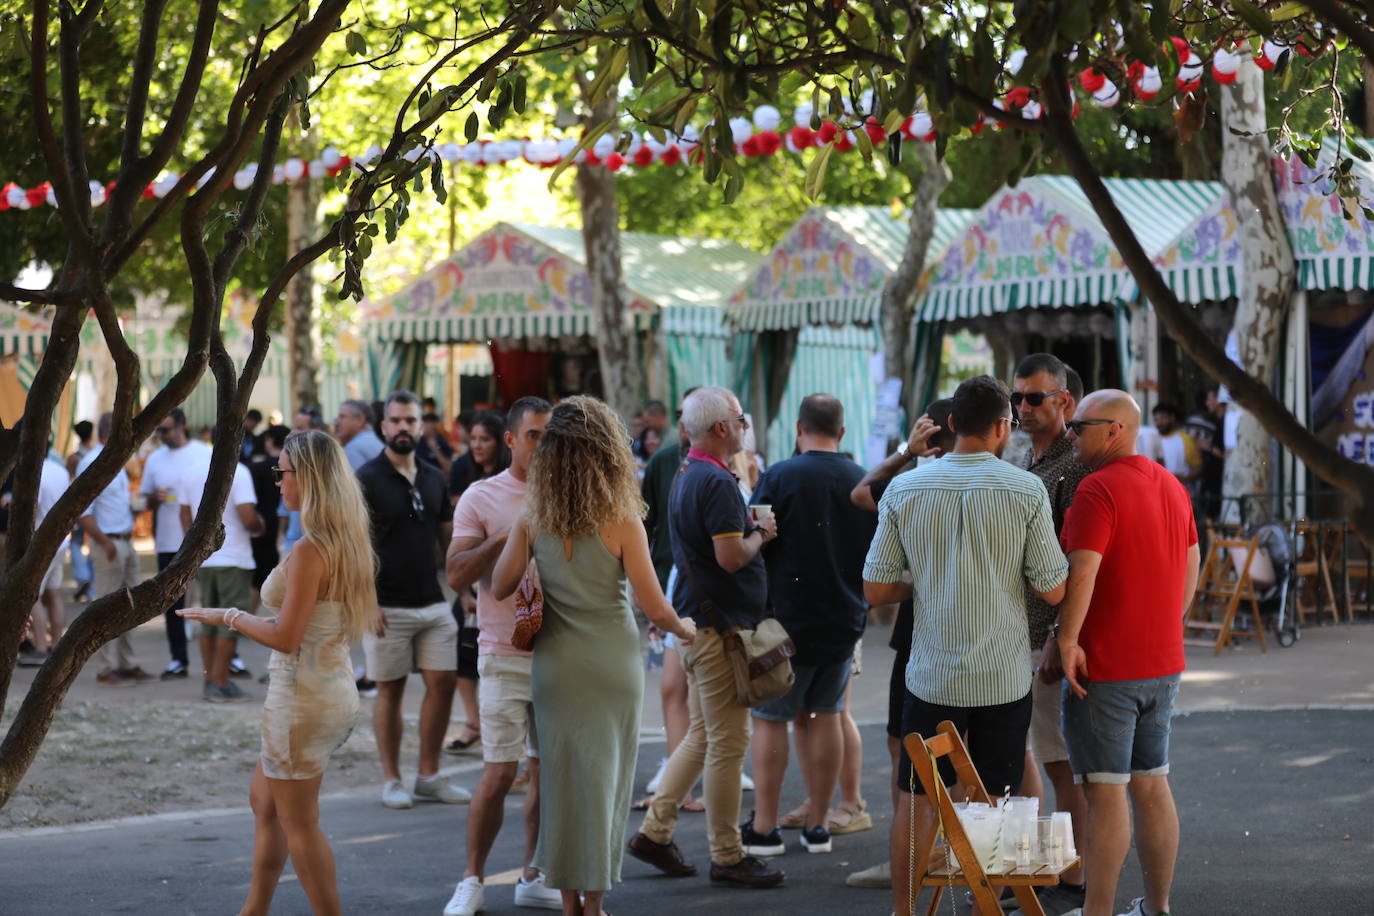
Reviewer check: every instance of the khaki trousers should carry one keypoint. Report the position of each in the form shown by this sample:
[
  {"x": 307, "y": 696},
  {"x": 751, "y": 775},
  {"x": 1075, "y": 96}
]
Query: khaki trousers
[
  {"x": 717, "y": 740},
  {"x": 112, "y": 576}
]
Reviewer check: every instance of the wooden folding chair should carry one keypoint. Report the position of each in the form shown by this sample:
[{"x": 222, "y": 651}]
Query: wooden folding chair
[
  {"x": 1312, "y": 572},
  {"x": 964, "y": 869},
  {"x": 1220, "y": 591}
]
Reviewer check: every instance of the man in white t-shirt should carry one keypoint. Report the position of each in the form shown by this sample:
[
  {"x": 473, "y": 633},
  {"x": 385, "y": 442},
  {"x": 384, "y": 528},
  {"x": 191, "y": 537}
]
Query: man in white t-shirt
[
  {"x": 48, "y": 615},
  {"x": 485, "y": 514},
  {"x": 226, "y": 577},
  {"x": 165, "y": 474}
]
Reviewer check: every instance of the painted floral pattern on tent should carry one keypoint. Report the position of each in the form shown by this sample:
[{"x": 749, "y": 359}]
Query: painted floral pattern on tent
[
  {"x": 499, "y": 273},
  {"x": 1212, "y": 240},
  {"x": 1022, "y": 237},
  {"x": 1317, "y": 227},
  {"x": 814, "y": 261}
]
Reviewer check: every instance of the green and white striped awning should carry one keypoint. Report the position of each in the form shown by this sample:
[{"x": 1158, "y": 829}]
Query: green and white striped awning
[
  {"x": 692, "y": 321},
  {"x": 1332, "y": 252},
  {"x": 831, "y": 266},
  {"x": 23, "y": 331},
  {"x": 520, "y": 280},
  {"x": 1041, "y": 245}
]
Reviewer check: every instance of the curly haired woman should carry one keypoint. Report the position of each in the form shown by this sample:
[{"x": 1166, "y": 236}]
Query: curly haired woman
[
  {"x": 583, "y": 527},
  {"x": 325, "y": 596}
]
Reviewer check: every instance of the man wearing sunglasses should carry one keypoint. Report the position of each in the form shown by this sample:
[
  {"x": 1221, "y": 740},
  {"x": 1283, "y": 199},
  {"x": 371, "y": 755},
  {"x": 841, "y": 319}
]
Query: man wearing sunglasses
[
  {"x": 172, "y": 467},
  {"x": 1042, "y": 397},
  {"x": 408, "y": 502},
  {"x": 1133, "y": 567}
]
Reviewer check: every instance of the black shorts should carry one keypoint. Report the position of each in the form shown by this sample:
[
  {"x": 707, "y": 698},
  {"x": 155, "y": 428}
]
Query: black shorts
[
  {"x": 996, "y": 738},
  {"x": 896, "y": 693}
]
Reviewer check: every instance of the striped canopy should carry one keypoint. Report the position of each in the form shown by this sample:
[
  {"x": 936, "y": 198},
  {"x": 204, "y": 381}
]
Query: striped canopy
[
  {"x": 522, "y": 280},
  {"x": 22, "y": 331},
  {"x": 830, "y": 268},
  {"x": 1040, "y": 245},
  {"x": 1332, "y": 252}
]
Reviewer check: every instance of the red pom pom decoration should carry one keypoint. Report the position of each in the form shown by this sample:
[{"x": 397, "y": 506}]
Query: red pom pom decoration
[
  {"x": 800, "y": 138},
  {"x": 875, "y": 131},
  {"x": 643, "y": 156},
  {"x": 750, "y": 147},
  {"x": 827, "y": 132},
  {"x": 1091, "y": 80},
  {"x": 769, "y": 142},
  {"x": 614, "y": 162},
  {"x": 843, "y": 143}
]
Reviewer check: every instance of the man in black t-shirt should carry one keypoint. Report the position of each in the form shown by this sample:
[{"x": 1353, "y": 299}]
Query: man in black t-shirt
[
  {"x": 815, "y": 583},
  {"x": 408, "y": 502},
  {"x": 721, "y": 585}
]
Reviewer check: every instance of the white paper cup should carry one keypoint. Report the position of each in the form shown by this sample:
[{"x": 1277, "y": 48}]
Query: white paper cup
[{"x": 760, "y": 512}]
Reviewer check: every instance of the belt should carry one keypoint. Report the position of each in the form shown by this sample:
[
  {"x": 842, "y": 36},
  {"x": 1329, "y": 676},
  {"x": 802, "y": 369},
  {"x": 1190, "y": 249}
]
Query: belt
[{"x": 122, "y": 536}]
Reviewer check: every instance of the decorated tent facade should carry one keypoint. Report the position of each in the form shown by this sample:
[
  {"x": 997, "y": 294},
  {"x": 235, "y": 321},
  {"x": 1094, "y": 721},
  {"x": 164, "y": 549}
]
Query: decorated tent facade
[
  {"x": 1036, "y": 259},
  {"x": 524, "y": 288},
  {"x": 809, "y": 316},
  {"x": 1328, "y": 346}
]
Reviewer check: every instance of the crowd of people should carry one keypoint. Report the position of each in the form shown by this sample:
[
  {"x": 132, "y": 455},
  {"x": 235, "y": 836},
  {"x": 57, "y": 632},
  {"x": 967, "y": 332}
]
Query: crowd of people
[{"x": 1037, "y": 607}]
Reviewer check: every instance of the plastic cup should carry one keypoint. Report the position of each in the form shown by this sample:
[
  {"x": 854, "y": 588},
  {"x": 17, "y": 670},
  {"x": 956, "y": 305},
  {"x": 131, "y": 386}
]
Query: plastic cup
[
  {"x": 760, "y": 512},
  {"x": 1063, "y": 828}
]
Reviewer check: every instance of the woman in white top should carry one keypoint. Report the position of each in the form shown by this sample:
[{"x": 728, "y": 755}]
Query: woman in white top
[{"x": 324, "y": 595}]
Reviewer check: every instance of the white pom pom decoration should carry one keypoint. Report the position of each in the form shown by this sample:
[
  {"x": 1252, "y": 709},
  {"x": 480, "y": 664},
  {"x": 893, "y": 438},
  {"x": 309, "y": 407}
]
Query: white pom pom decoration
[
  {"x": 802, "y": 114},
  {"x": 331, "y": 157},
  {"x": 741, "y": 129},
  {"x": 97, "y": 193},
  {"x": 1016, "y": 60},
  {"x": 604, "y": 145},
  {"x": 316, "y": 169},
  {"x": 766, "y": 117},
  {"x": 294, "y": 169},
  {"x": 1107, "y": 95}
]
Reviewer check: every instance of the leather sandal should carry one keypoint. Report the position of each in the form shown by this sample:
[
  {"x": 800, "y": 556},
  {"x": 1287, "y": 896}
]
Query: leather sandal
[{"x": 850, "y": 818}]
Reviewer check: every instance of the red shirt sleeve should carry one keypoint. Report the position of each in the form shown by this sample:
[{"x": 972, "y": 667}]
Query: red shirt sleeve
[{"x": 1091, "y": 519}]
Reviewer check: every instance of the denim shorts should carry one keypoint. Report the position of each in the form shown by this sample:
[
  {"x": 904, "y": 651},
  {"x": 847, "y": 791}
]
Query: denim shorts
[
  {"x": 818, "y": 688},
  {"x": 1120, "y": 728}
]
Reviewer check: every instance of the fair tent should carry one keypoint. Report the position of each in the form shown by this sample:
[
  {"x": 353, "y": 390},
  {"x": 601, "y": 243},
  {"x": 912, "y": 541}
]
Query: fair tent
[
  {"x": 822, "y": 283},
  {"x": 521, "y": 281}
]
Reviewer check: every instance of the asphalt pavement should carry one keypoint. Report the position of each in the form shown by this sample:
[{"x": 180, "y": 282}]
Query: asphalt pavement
[{"x": 1277, "y": 810}]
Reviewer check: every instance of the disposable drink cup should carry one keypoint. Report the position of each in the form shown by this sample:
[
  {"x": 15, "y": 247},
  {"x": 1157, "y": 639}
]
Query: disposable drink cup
[
  {"x": 1063, "y": 828},
  {"x": 1050, "y": 848},
  {"x": 760, "y": 512}
]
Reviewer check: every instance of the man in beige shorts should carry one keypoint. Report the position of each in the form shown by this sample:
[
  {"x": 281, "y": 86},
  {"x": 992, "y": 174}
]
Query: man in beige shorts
[
  {"x": 484, "y": 516},
  {"x": 408, "y": 502}
]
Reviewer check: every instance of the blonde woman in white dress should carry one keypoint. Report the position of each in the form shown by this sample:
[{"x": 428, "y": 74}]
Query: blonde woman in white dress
[{"x": 323, "y": 596}]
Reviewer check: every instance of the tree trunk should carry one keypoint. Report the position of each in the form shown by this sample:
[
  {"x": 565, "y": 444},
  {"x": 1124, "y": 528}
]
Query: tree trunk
[
  {"x": 1353, "y": 479},
  {"x": 621, "y": 374},
  {"x": 1368, "y": 124},
  {"x": 900, "y": 286},
  {"x": 302, "y": 226},
  {"x": 1267, "y": 285}
]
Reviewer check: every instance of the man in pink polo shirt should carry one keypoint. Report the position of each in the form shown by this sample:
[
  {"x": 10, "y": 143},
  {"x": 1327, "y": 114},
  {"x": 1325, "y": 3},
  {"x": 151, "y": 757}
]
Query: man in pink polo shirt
[{"x": 484, "y": 516}]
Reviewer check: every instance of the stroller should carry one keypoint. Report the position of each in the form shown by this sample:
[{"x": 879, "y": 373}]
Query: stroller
[{"x": 1276, "y": 541}]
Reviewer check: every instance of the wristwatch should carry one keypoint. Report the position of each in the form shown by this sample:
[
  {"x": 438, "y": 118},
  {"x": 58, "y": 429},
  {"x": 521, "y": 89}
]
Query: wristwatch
[{"x": 903, "y": 449}]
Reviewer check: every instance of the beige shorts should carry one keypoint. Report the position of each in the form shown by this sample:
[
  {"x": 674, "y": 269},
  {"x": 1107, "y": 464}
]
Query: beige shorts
[
  {"x": 417, "y": 639},
  {"x": 1046, "y": 733},
  {"x": 52, "y": 579},
  {"x": 505, "y": 706}
]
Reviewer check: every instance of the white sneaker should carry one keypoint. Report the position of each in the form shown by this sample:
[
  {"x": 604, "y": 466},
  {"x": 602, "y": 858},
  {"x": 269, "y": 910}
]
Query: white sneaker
[
  {"x": 437, "y": 788},
  {"x": 746, "y": 783},
  {"x": 467, "y": 899},
  {"x": 537, "y": 895},
  {"x": 1138, "y": 909},
  {"x": 394, "y": 795},
  {"x": 652, "y": 787}
]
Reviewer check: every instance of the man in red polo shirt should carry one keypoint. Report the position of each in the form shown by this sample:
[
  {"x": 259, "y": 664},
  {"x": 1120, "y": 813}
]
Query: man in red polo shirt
[{"x": 1133, "y": 566}]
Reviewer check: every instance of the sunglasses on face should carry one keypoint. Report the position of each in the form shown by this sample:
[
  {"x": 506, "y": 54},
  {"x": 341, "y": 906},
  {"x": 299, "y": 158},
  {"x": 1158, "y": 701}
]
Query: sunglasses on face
[
  {"x": 1034, "y": 398},
  {"x": 278, "y": 473},
  {"x": 1077, "y": 426}
]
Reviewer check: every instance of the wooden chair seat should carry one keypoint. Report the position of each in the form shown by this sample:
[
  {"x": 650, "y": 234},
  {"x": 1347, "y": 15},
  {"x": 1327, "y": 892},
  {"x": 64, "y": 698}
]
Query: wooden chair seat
[
  {"x": 954, "y": 863},
  {"x": 1221, "y": 589}
]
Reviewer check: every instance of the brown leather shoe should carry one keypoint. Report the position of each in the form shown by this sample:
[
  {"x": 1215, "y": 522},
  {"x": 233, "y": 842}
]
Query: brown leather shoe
[
  {"x": 135, "y": 674},
  {"x": 666, "y": 857},
  {"x": 113, "y": 679},
  {"x": 747, "y": 872}
]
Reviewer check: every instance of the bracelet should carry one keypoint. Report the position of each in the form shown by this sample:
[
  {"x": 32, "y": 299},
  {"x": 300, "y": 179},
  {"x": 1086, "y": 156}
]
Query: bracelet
[{"x": 231, "y": 616}]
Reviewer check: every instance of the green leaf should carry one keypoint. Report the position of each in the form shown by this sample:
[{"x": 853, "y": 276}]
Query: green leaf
[
  {"x": 1358, "y": 150},
  {"x": 1254, "y": 17},
  {"x": 471, "y": 127},
  {"x": 815, "y": 172},
  {"x": 865, "y": 144},
  {"x": 356, "y": 44},
  {"x": 1161, "y": 22},
  {"x": 389, "y": 214},
  {"x": 610, "y": 74},
  {"x": 684, "y": 114},
  {"x": 734, "y": 179},
  {"x": 589, "y": 137},
  {"x": 518, "y": 94},
  {"x": 859, "y": 29}
]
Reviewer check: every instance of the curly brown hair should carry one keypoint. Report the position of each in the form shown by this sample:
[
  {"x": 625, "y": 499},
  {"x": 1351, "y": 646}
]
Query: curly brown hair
[{"x": 583, "y": 475}]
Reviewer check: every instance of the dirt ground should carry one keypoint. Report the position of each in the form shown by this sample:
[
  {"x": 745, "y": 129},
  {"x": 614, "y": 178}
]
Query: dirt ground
[{"x": 106, "y": 760}]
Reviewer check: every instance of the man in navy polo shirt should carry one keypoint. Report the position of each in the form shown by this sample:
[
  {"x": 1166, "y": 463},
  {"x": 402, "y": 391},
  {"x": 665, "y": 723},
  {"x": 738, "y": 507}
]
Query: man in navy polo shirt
[{"x": 722, "y": 585}]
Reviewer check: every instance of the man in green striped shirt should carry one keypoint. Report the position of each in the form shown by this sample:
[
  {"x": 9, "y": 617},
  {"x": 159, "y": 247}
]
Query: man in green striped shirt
[{"x": 974, "y": 532}]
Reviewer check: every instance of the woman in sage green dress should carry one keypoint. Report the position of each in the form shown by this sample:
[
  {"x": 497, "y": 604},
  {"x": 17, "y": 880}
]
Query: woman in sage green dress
[{"x": 583, "y": 527}]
